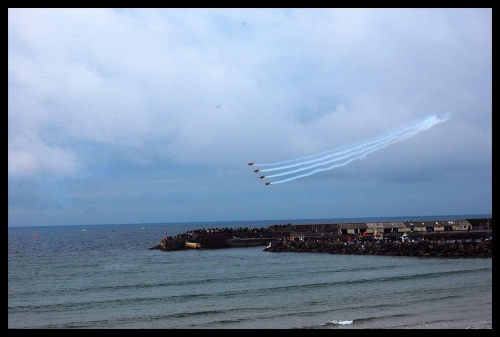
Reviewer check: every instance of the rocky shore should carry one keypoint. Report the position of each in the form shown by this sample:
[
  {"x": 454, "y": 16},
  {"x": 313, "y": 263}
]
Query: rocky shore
[{"x": 417, "y": 249}]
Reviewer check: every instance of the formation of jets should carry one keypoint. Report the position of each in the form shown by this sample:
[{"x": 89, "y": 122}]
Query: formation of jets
[{"x": 258, "y": 170}]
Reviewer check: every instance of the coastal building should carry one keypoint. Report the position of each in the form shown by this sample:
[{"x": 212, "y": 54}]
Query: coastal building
[
  {"x": 387, "y": 227},
  {"x": 409, "y": 226}
]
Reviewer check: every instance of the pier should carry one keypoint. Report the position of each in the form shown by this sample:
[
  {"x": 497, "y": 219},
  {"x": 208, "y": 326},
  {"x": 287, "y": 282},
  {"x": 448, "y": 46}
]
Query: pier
[{"x": 451, "y": 232}]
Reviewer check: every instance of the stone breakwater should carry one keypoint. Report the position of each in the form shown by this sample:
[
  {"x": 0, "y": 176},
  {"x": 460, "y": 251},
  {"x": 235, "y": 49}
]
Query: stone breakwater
[
  {"x": 320, "y": 237},
  {"x": 417, "y": 249}
]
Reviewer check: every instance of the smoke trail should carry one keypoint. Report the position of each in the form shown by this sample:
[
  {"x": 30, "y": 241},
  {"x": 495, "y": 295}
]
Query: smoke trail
[
  {"x": 354, "y": 152},
  {"x": 347, "y": 151},
  {"x": 368, "y": 148},
  {"x": 319, "y": 170},
  {"x": 348, "y": 148}
]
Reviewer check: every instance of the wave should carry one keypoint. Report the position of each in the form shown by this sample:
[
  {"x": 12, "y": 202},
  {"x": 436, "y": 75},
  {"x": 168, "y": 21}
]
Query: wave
[{"x": 259, "y": 289}]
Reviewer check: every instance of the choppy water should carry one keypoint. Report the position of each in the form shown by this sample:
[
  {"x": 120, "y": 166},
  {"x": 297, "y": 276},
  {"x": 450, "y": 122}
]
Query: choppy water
[{"x": 106, "y": 277}]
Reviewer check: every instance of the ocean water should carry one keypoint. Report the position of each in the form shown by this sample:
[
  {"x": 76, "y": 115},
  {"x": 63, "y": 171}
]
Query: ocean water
[{"x": 106, "y": 277}]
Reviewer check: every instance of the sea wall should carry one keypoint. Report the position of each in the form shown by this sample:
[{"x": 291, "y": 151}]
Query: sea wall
[
  {"x": 251, "y": 242},
  {"x": 216, "y": 241},
  {"x": 418, "y": 249},
  {"x": 345, "y": 238}
]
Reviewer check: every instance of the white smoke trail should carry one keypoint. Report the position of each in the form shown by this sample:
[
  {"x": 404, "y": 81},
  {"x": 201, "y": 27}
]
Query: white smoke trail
[
  {"x": 346, "y": 152},
  {"x": 354, "y": 152},
  {"x": 367, "y": 148},
  {"x": 319, "y": 170}
]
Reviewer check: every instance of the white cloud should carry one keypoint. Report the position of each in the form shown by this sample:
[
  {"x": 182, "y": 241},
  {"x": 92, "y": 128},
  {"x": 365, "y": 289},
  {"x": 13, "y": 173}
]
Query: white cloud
[
  {"x": 102, "y": 90},
  {"x": 30, "y": 157}
]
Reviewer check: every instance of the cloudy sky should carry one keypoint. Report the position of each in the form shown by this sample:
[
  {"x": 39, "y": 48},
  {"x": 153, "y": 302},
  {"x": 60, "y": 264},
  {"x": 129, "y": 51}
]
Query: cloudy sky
[{"x": 151, "y": 115}]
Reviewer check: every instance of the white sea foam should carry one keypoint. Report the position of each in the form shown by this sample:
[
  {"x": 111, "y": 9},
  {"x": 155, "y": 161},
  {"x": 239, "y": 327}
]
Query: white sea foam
[{"x": 337, "y": 322}]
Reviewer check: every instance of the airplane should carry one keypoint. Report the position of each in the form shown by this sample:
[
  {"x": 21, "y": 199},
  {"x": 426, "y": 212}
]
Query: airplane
[
  {"x": 262, "y": 177},
  {"x": 257, "y": 170},
  {"x": 268, "y": 183},
  {"x": 250, "y": 164}
]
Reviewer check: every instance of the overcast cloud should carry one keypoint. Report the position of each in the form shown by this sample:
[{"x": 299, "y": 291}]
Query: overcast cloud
[{"x": 150, "y": 115}]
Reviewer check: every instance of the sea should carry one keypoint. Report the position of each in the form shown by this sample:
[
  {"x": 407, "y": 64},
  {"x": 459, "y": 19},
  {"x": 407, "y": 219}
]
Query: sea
[{"x": 107, "y": 277}]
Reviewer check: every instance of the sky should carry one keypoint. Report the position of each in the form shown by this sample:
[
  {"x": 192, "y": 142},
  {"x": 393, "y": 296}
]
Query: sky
[{"x": 122, "y": 116}]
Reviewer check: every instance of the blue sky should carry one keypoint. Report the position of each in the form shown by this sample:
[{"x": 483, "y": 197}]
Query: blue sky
[{"x": 150, "y": 115}]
